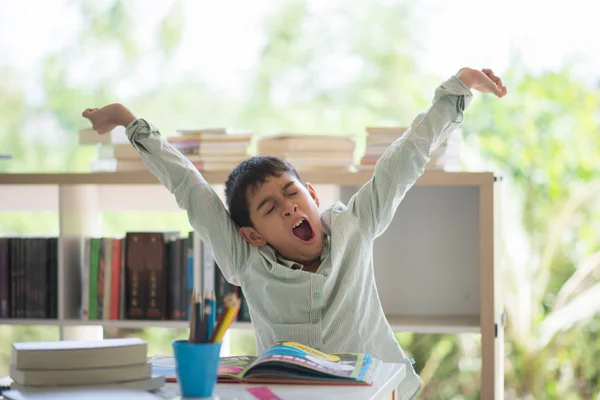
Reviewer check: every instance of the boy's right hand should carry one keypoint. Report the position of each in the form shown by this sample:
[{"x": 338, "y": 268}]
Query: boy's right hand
[{"x": 105, "y": 119}]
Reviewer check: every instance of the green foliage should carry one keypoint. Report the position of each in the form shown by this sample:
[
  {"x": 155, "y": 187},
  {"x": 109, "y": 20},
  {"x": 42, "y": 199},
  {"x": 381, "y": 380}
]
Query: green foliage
[{"x": 544, "y": 138}]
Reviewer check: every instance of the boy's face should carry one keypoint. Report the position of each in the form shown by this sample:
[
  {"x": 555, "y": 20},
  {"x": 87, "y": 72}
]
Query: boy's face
[{"x": 285, "y": 215}]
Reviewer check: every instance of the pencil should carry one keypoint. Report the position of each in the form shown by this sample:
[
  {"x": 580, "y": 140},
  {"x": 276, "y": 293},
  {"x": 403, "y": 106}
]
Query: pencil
[
  {"x": 199, "y": 319},
  {"x": 212, "y": 318},
  {"x": 230, "y": 311},
  {"x": 192, "y": 320}
]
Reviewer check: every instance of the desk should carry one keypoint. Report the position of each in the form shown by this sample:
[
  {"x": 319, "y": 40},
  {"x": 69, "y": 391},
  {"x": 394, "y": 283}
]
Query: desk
[{"x": 389, "y": 377}]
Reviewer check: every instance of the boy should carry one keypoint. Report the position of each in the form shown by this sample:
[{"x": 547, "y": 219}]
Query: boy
[{"x": 307, "y": 277}]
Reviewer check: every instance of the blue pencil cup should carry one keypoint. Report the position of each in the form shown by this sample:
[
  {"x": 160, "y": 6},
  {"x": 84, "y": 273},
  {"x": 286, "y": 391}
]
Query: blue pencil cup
[{"x": 197, "y": 365}]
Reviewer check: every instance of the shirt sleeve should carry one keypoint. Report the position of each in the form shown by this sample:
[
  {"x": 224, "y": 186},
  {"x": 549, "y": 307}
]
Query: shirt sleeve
[
  {"x": 375, "y": 203},
  {"x": 206, "y": 212}
]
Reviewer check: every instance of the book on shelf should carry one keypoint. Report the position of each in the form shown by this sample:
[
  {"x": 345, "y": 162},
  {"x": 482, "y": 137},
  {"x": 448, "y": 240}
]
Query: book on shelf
[
  {"x": 29, "y": 277},
  {"x": 88, "y": 136},
  {"x": 208, "y": 149},
  {"x": 148, "y": 276},
  {"x": 310, "y": 151},
  {"x": 287, "y": 362},
  {"x": 213, "y": 149},
  {"x": 379, "y": 139}
]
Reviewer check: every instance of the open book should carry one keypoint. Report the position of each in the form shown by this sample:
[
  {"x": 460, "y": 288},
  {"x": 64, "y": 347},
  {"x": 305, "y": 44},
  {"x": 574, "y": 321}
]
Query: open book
[{"x": 288, "y": 362}]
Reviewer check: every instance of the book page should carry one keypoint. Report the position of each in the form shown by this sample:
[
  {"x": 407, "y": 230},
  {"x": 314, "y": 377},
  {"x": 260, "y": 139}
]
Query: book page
[
  {"x": 234, "y": 367},
  {"x": 341, "y": 365}
]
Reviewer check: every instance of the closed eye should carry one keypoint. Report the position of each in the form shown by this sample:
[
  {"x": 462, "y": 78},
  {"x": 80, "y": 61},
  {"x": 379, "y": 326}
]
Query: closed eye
[{"x": 271, "y": 209}]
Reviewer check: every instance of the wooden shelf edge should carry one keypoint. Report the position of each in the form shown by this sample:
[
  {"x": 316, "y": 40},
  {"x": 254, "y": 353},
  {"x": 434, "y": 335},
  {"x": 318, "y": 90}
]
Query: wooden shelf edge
[
  {"x": 109, "y": 323},
  {"x": 429, "y": 178}
]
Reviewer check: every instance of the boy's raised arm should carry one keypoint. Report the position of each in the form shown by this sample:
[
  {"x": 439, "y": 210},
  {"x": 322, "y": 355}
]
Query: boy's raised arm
[
  {"x": 404, "y": 161},
  {"x": 206, "y": 212}
]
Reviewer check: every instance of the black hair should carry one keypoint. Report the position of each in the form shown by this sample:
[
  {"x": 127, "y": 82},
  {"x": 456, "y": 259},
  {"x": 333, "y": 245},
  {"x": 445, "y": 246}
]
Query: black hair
[{"x": 248, "y": 176}]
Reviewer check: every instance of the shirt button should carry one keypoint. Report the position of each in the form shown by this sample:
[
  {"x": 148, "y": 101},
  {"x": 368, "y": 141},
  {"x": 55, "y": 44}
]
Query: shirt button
[{"x": 317, "y": 296}]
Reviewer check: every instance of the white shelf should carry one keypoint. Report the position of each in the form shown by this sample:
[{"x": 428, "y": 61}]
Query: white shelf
[
  {"x": 29, "y": 321},
  {"x": 435, "y": 266},
  {"x": 129, "y": 323},
  {"x": 435, "y": 324}
]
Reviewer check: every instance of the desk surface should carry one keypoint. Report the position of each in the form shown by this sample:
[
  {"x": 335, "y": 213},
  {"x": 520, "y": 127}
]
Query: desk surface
[{"x": 389, "y": 377}]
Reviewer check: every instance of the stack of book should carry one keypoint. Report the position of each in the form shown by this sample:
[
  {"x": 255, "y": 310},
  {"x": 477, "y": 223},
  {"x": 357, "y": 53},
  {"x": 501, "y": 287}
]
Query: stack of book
[
  {"x": 212, "y": 149},
  {"x": 108, "y": 363},
  {"x": 115, "y": 153},
  {"x": 309, "y": 151},
  {"x": 380, "y": 138}
]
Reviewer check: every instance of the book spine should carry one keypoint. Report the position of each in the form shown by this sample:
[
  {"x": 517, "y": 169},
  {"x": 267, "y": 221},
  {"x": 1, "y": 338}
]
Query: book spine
[
  {"x": 85, "y": 279},
  {"x": 53, "y": 272},
  {"x": 93, "y": 292},
  {"x": 27, "y": 286},
  {"x": 43, "y": 288},
  {"x": 115, "y": 289},
  {"x": 173, "y": 279},
  {"x": 4, "y": 278},
  {"x": 135, "y": 304},
  {"x": 106, "y": 293},
  {"x": 100, "y": 285},
  {"x": 155, "y": 269}
]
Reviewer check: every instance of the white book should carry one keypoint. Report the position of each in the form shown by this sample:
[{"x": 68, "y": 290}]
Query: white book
[
  {"x": 80, "y": 376},
  {"x": 88, "y": 394},
  {"x": 151, "y": 384},
  {"x": 72, "y": 354}
]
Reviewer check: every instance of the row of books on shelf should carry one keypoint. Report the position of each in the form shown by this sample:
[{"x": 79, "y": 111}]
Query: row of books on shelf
[
  {"x": 221, "y": 149},
  {"x": 141, "y": 276},
  {"x": 149, "y": 276},
  {"x": 28, "y": 277}
]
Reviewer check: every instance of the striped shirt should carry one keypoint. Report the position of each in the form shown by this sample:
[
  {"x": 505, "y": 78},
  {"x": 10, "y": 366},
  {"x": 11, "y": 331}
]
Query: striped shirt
[{"x": 337, "y": 308}]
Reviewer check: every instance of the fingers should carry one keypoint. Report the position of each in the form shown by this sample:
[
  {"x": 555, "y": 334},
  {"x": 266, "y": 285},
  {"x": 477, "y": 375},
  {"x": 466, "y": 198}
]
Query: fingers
[
  {"x": 88, "y": 111},
  {"x": 501, "y": 89}
]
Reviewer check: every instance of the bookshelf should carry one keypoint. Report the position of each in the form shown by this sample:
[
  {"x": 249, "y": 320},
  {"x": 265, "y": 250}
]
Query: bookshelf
[{"x": 441, "y": 243}]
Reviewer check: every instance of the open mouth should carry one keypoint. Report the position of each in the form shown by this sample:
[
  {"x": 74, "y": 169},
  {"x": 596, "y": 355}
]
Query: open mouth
[{"x": 303, "y": 231}]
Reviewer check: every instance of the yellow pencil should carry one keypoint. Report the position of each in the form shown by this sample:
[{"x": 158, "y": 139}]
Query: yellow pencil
[{"x": 226, "y": 318}]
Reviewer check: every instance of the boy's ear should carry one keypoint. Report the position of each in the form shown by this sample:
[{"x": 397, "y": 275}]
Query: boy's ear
[
  {"x": 252, "y": 236},
  {"x": 313, "y": 193}
]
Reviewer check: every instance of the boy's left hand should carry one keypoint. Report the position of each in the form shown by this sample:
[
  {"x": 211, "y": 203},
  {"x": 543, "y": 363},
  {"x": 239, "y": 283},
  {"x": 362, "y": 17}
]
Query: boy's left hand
[{"x": 482, "y": 81}]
